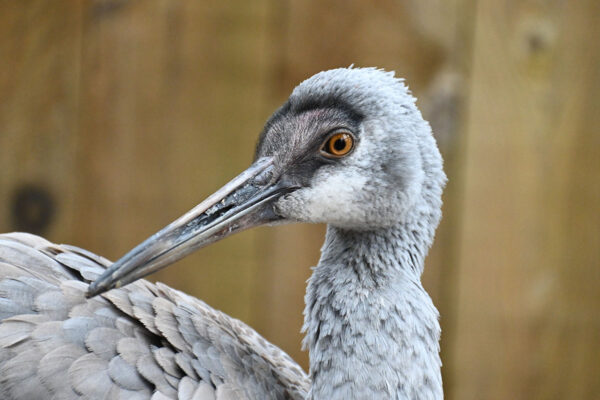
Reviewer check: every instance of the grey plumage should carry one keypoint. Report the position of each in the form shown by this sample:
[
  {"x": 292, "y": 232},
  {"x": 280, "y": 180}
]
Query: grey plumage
[
  {"x": 371, "y": 329},
  {"x": 133, "y": 343}
]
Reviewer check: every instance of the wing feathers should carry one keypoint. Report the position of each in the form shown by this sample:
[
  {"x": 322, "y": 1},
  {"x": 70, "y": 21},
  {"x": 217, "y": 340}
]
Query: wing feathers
[
  {"x": 139, "y": 342},
  {"x": 126, "y": 375}
]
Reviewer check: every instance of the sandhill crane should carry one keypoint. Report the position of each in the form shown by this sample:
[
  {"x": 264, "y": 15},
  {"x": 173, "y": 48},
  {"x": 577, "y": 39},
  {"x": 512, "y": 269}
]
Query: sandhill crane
[{"x": 350, "y": 149}]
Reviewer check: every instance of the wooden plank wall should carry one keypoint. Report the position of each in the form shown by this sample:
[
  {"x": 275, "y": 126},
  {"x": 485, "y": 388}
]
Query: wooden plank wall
[
  {"x": 527, "y": 310},
  {"x": 117, "y": 116}
]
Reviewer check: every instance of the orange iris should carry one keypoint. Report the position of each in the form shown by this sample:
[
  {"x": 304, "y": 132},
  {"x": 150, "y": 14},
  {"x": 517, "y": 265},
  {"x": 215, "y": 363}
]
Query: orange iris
[{"x": 339, "y": 144}]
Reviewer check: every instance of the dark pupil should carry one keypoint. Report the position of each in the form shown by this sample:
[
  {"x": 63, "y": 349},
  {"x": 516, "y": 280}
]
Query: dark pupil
[{"x": 339, "y": 144}]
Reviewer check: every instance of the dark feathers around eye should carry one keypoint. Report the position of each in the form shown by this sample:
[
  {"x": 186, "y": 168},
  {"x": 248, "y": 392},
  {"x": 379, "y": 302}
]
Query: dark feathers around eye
[{"x": 303, "y": 105}]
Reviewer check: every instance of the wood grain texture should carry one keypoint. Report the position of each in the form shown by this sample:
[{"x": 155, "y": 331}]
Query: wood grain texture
[
  {"x": 40, "y": 53},
  {"x": 171, "y": 105},
  {"x": 529, "y": 247}
]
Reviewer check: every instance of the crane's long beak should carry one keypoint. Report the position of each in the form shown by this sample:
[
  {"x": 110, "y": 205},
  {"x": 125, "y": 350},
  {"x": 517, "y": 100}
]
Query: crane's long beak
[{"x": 244, "y": 202}]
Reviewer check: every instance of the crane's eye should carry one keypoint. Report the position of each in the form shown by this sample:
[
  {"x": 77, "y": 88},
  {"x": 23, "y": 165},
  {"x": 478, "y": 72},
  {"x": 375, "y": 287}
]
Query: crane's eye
[{"x": 338, "y": 144}]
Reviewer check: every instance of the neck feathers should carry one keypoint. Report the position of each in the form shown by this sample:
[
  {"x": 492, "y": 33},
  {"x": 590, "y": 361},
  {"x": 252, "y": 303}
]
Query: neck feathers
[{"x": 371, "y": 329}]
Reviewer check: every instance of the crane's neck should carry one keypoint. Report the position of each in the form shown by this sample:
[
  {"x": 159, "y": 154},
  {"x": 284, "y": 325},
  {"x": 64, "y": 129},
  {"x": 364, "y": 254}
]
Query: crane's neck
[{"x": 371, "y": 329}]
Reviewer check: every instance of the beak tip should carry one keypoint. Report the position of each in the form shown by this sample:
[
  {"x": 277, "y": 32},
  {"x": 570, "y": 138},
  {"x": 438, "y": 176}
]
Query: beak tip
[
  {"x": 101, "y": 286},
  {"x": 91, "y": 292},
  {"x": 94, "y": 289}
]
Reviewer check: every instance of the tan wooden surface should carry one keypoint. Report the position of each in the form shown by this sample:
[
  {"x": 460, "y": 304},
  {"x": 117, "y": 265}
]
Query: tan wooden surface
[
  {"x": 528, "y": 325},
  {"x": 118, "y": 116}
]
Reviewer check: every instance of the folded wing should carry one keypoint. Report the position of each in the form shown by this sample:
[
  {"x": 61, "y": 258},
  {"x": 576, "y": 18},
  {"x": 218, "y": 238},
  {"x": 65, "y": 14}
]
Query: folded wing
[{"x": 139, "y": 342}]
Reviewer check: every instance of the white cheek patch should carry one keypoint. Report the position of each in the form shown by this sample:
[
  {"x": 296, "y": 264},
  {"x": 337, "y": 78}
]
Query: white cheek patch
[{"x": 334, "y": 198}]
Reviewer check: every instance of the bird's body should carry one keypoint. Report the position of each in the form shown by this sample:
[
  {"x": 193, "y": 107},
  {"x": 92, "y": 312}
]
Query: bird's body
[{"x": 349, "y": 148}]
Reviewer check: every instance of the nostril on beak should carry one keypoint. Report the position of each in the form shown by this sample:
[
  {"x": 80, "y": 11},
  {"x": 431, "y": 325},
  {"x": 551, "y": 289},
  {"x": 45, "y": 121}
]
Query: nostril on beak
[{"x": 263, "y": 178}]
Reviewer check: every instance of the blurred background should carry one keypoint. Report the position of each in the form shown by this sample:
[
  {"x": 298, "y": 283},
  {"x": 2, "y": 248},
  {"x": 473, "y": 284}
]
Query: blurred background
[{"x": 118, "y": 116}]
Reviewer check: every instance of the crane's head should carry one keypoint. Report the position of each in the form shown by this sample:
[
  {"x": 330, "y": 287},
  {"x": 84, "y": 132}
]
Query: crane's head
[{"x": 349, "y": 148}]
